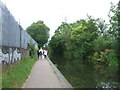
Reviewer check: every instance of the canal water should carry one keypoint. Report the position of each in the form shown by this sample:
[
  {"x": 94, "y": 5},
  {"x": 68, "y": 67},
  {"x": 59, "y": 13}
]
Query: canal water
[{"x": 89, "y": 75}]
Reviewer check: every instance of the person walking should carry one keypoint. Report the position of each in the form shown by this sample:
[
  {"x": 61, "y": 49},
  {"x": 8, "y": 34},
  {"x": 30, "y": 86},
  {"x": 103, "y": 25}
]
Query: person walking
[
  {"x": 45, "y": 53},
  {"x": 40, "y": 53}
]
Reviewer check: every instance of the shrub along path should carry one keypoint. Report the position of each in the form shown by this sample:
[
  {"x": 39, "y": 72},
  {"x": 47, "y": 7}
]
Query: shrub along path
[{"x": 42, "y": 76}]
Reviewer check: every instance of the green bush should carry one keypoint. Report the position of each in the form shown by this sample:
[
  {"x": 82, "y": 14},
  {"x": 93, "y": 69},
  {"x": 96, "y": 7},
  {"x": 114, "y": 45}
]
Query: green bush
[
  {"x": 31, "y": 49},
  {"x": 112, "y": 59},
  {"x": 108, "y": 57},
  {"x": 96, "y": 55},
  {"x": 101, "y": 44}
]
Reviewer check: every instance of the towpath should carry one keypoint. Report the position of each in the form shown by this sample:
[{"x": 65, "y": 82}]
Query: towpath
[{"x": 42, "y": 76}]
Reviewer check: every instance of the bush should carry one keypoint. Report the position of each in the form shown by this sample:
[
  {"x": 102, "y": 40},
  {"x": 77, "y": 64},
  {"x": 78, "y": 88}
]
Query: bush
[
  {"x": 101, "y": 44},
  {"x": 96, "y": 55},
  {"x": 31, "y": 49},
  {"x": 107, "y": 57},
  {"x": 112, "y": 58}
]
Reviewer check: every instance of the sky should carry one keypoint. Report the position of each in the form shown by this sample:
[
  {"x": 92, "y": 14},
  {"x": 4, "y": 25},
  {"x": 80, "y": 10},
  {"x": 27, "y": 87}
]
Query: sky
[{"x": 54, "y": 12}]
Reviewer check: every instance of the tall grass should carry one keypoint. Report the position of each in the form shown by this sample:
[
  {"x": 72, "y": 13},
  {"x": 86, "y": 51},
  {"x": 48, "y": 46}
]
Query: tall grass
[{"x": 16, "y": 75}]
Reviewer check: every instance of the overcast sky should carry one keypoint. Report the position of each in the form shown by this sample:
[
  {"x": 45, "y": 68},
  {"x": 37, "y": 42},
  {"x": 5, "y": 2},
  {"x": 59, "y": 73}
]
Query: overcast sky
[{"x": 53, "y": 12}]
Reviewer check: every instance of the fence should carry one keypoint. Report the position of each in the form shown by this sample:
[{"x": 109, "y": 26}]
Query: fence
[{"x": 12, "y": 37}]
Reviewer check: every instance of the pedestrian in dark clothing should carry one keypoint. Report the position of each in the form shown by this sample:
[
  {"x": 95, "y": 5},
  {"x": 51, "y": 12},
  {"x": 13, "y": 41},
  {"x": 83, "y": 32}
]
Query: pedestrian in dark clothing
[
  {"x": 45, "y": 53},
  {"x": 38, "y": 53},
  {"x": 30, "y": 52}
]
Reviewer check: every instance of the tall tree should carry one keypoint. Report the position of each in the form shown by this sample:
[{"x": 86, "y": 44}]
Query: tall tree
[
  {"x": 83, "y": 36},
  {"x": 118, "y": 15},
  {"x": 39, "y": 32},
  {"x": 115, "y": 25},
  {"x": 115, "y": 29}
]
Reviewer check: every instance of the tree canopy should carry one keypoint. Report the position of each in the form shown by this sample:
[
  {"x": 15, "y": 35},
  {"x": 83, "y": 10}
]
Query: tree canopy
[
  {"x": 39, "y": 32},
  {"x": 88, "y": 42}
]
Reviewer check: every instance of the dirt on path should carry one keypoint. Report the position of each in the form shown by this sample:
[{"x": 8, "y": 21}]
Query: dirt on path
[{"x": 42, "y": 76}]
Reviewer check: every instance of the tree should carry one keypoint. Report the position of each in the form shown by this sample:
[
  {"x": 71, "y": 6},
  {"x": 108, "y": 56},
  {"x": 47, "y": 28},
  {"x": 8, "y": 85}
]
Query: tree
[
  {"x": 102, "y": 28},
  {"x": 115, "y": 26},
  {"x": 39, "y": 32},
  {"x": 87, "y": 41},
  {"x": 83, "y": 37},
  {"x": 74, "y": 40}
]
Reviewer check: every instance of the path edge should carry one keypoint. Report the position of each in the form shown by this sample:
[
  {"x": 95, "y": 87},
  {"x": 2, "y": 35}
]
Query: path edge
[
  {"x": 61, "y": 78},
  {"x": 24, "y": 84}
]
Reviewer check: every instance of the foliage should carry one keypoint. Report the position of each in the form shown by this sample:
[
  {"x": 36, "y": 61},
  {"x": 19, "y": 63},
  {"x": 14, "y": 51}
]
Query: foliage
[
  {"x": 83, "y": 37},
  {"x": 107, "y": 57},
  {"x": 77, "y": 42},
  {"x": 56, "y": 48},
  {"x": 39, "y": 32},
  {"x": 31, "y": 49},
  {"x": 16, "y": 75},
  {"x": 115, "y": 28},
  {"x": 100, "y": 44},
  {"x": 87, "y": 41},
  {"x": 114, "y": 16},
  {"x": 112, "y": 58},
  {"x": 0, "y": 76},
  {"x": 96, "y": 55}
]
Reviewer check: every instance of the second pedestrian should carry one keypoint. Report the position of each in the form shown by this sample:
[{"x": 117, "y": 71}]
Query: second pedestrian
[{"x": 40, "y": 53}]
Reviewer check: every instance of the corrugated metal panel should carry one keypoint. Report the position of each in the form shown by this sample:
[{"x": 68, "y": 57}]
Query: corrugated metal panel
[
  {"x": 14, "y": 33},
  {"x": 10, "y": 30},
  {"x": 5, "y": 28},
  {"x": 26, "y": 39},
  {"x": 23, "y": 40},
  {"x": 0, "y": 26},
  {"x": 2, "y": 5},
  {"x": 35, "y": 43},
  {"x": 17, "y": 36},
  {"x": 29, "y": 40},
  {"x": 32, "y": 41}
]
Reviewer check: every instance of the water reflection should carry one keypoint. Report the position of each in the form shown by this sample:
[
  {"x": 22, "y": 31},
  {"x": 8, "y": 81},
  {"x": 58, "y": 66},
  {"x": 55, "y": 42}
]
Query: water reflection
[{"x": 89, "y": 75}]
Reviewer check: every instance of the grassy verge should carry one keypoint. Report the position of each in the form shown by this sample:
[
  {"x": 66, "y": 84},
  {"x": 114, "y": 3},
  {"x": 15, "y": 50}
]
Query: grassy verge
[{"x": 16, "y": 75}]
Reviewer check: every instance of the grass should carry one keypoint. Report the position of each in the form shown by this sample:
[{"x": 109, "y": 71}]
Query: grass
[
  {"x": 0, "y": 76},
  {"x": 16, "y": 75}
]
